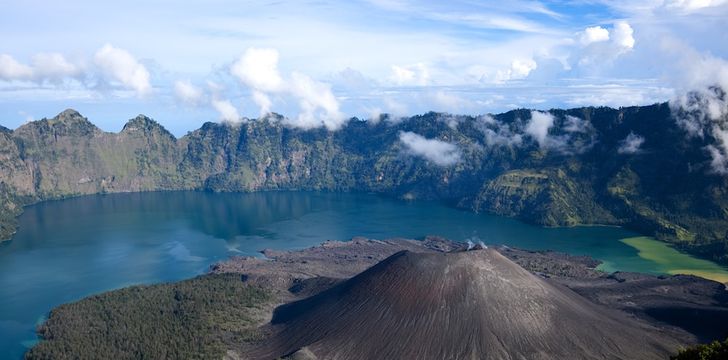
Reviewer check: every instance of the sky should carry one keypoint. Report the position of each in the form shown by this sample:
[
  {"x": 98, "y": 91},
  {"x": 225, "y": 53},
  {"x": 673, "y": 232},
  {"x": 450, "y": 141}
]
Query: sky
[{"x": 320, "y": 62}]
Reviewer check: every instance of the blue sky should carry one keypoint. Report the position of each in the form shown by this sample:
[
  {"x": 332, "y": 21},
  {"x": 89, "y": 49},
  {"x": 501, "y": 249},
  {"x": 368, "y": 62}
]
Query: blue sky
[{"x": 319, "y": 62}]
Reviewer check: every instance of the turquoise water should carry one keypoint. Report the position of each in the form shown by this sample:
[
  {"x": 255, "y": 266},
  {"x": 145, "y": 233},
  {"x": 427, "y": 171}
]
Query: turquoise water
[{"x": 69, "y": 249}]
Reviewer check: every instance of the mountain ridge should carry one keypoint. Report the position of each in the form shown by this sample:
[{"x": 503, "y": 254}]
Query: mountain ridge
[{"x": 575, "y": 172}]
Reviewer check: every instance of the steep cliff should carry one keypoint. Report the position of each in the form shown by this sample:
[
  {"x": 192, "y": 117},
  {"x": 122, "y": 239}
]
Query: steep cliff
[{"x": 580, "y": 167}]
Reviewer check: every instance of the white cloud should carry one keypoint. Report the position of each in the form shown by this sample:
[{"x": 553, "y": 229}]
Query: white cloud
[
  {"x": 692, "y": 5},
  {"x": 623, "y": 35},
  {"x": 594, "y": 34},
  {"x": 438, "y": 152},
  {"x": 574, "y": 124},
  {"x": 11, "y": 69},
  {"x": 53, "y": 67},
  {"x": 631, "y": 144},
  {"x": 120, "y": 66},
  {"x": 520, "y": 68},
  {"x": 538, "y": 127},
  {"x": 409, "y": 75},
  {"x": 258, "y": 69},
  {"x": 188, "y": 93},
  {"x": 497, "y": 133},
  {"x": 263, "y": 101},
  {"x": 702, "y": 106},
  {"x": 446, "y": 101},
  {"x": 227, "y": 111},
  {"x": 600, "y": 45},
  {"x": 318, "y": 104}
]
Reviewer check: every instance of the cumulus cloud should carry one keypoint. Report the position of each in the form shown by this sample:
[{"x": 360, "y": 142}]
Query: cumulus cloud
[
  {"x": 188, "y": 93},
  {"x": 623, "y": 35},
  {"x": 600, "y": 45},
  {"x": 227, "y": 111},
  {"x": 594, "y": 34},
  {"x": 52, "y": 67},
  {"x": 11, "y": 69},
  {"x": 631, "y": 144},
  {"x": 120, "y": 66},
  {"x": 438, "y": 152},
  {"x": 318, "y": 104},
  {"x": 520, "y": 68},
  {"x": 410, "y": 75},
  {"x": 258, "y": 69}
]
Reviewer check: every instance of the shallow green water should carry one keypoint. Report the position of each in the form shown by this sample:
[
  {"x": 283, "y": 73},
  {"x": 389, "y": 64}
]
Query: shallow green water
[
  {"x": 69, "y": 249},
  {"x": 665, "y": 259}
]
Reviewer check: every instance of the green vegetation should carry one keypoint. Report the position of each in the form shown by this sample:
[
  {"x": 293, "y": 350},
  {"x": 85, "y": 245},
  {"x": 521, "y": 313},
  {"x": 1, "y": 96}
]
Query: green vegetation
[
  {"x": 192, "y": 319},
  {"x": 714, "y": 351},
  {"x": 667, "y": 191}
]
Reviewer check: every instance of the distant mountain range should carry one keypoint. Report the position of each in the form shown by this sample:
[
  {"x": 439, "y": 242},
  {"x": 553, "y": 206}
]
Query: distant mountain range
[{"x": 639, "y": 167}]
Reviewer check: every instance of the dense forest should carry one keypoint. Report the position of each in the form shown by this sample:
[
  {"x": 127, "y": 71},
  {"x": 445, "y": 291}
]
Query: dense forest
[{"x": 192, "y": 319}]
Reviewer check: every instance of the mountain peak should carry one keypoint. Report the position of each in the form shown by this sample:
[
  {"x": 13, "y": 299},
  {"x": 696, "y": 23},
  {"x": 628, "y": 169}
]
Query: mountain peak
[
  {"x": 68, "y": 114},
  {"x": 458, "y": 304},
  {"x": 145, "y": 124}
]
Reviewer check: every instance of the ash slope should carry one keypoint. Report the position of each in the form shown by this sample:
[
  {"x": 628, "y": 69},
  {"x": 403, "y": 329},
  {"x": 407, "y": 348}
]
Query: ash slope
[{"x": 464, "y": 305}]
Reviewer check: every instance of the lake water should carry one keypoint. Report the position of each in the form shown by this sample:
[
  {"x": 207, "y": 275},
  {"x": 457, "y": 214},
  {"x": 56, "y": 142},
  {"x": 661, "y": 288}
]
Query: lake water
[{"x": 69, "y": 249}]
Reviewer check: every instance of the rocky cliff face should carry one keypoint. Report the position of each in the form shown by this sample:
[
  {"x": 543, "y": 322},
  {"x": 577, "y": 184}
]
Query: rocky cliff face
[{"x": 577, "y": 171}]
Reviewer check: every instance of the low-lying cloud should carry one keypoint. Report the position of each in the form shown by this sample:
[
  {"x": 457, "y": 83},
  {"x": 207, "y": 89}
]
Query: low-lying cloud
[
  {"x": 702, "y": 108},
  {"x": 227, "y": 111},
  {"x": 538, "y": 127},
  {"x": 568, "y": 136},
  {"x": 438, "y": 152},
  {"x": 632, "y": 144},
  {"x": 497, "y": 133}
]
